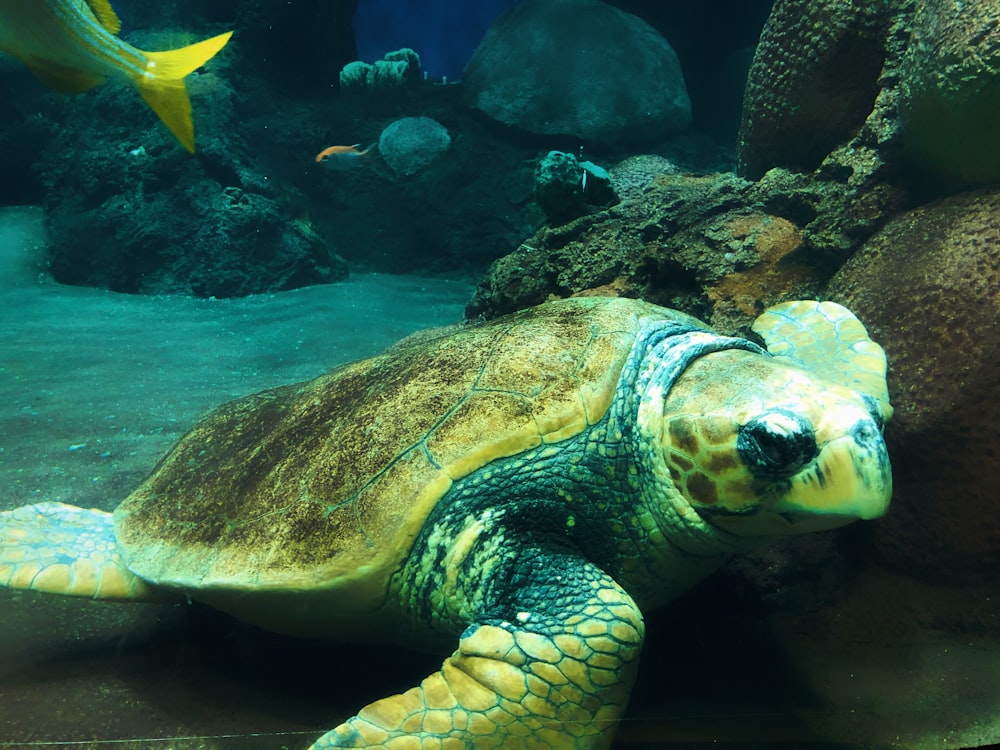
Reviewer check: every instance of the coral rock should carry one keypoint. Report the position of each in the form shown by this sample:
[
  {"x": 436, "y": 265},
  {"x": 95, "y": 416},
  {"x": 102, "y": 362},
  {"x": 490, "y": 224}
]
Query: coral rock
[
  {"x": 952, "y": 91},
  {"x": 928, "y": 288},
  {"x": 812, "y": 83}
]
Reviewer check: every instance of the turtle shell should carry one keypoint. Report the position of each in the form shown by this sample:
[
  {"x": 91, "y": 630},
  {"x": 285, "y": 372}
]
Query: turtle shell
[{"x": 324, "y": 485}]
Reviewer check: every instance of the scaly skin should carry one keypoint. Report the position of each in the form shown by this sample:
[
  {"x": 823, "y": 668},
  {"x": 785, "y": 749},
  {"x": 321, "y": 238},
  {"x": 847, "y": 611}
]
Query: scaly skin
[
  {"x": 519, "y": 559},
  {"x": 62, "y": 549},
  {"x": 549, "y": 666},
  {"x": 534, "y": 550}
]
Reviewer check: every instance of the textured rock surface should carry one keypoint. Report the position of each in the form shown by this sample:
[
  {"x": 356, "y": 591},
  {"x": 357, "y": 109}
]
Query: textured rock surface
[
  {"x": 632, "y": 175},
  {"x": 812, "y": 83},
  {"x": 579, "y": 68},
  {"x": 951, "y": 91},
  {"x": 134, "y": 213},
  {"x": 928, "y": 288},
  {"x": 26, "y": 126},
  {"x": 410, "y": 144},
  {"x": 715, "y": 43},
  {"x": 396, "y": 70},
  {"x": 469, "y": 206},
  {"x": 567, "y": 188},
  {"x": 252, "y": 211},
  {"x": 897, "y": 86},
  {"x": 715, "y": 246}
]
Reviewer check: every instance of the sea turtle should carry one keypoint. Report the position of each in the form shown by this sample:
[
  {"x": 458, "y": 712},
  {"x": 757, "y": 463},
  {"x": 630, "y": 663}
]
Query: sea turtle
[{"x": 526, "y": 486}]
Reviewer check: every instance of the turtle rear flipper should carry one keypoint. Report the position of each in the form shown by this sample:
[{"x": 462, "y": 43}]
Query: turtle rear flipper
[{"x": 62, "y": 549}]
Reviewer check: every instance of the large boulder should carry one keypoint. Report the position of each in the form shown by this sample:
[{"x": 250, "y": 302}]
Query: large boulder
[
  {"x": 951, "y": 92},
  {"x": 928, "y": 288},
  {"x": 578, "y": 68},
  {"x": 908, "y": 88},
  {"x": 410, "y": 144},
  {"x": 716, "y": 246},
  {"x": 812, "y": 84}
]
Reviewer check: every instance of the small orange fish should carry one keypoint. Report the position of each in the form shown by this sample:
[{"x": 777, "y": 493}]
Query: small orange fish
[{"x": 342, "y": 155}]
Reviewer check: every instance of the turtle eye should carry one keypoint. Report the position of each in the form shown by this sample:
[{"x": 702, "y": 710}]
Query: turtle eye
[{"x": 776, "y": 444}]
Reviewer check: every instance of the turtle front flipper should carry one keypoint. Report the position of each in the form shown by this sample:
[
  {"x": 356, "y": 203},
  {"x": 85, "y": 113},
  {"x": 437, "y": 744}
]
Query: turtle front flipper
[
  {"x": 549, "y": 664},
  {"x": 62, "y": 549}
]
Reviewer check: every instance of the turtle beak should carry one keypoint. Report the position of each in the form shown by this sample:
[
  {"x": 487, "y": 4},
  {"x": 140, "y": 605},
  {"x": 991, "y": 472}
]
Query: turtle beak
[{"x": 849, "y": 479}]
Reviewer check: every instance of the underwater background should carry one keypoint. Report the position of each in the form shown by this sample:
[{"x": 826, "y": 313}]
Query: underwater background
[{"x": 715, "y": 157}]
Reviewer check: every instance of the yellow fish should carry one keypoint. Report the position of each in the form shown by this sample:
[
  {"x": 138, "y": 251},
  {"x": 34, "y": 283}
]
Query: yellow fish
[{"x": 72, "y": 46}]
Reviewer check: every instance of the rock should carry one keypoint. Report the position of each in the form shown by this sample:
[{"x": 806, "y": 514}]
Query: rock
[
  {"x": 951, "y": 92},
  {"x": 567, "y": 188},
  {"x": 29, "y": 116},
  {"x": 133, "y": 212},
  {"x": 715, "y": 246},
  {"x": 632, "y": 176},
  {"x": 411, "y": 144},
  {"x": 471, "y": 204},
  {"x": 396, "y": 70},
  {"x": 578, "y": 68},
  {"x": 910, "y": 88},
  {"x": 928, "y": 288},
  {"x": 812, "y": 83}
]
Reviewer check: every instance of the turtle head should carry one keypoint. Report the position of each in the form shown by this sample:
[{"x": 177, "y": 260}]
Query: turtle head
[{"x": 786, "y": 443}]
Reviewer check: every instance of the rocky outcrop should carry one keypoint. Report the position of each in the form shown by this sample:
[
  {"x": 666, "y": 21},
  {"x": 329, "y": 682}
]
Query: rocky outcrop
[
  {"x": 903, "y": 87},
  {"x": 812, "y": 84},
  {"x": 133, "y": 212},
  {"x": 951, "y": 92},
  {"x": 928, "y": 288},
  {"x": 411, "y": 144},
  {"x": 716, "y": 246}
]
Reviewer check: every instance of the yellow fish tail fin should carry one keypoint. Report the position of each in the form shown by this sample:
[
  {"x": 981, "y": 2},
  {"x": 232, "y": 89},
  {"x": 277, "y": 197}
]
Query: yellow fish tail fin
[
  {"x": 174, "y": 64},
  {"x": 163, "y": 87},
  {"x": 169, "y": 99}
]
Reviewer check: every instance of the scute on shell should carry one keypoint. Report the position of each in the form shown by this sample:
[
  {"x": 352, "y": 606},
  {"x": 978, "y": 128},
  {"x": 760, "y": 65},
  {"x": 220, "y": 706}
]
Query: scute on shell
[{"x": 325, "y": 484}]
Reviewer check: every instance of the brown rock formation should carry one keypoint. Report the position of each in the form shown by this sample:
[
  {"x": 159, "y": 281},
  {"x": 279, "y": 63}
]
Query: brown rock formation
[{"x": 928, "y": 288}]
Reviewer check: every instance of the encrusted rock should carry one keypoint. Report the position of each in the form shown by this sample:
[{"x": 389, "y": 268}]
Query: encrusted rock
[
  {"x": 928, "y": 288},
  {"x": 632, "y": 176},
  {"x": 133, "y": 213},
  {"x": 862, "y": 88},
  {"x": 812, "y": 84},
  {"x": 951, "y": 91},
  {"x": 567, "y": 188},
  {"x": 411, "y": 144},
  {"x": 396, "y": 70},
  {"x": 715, "y": 246}
]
